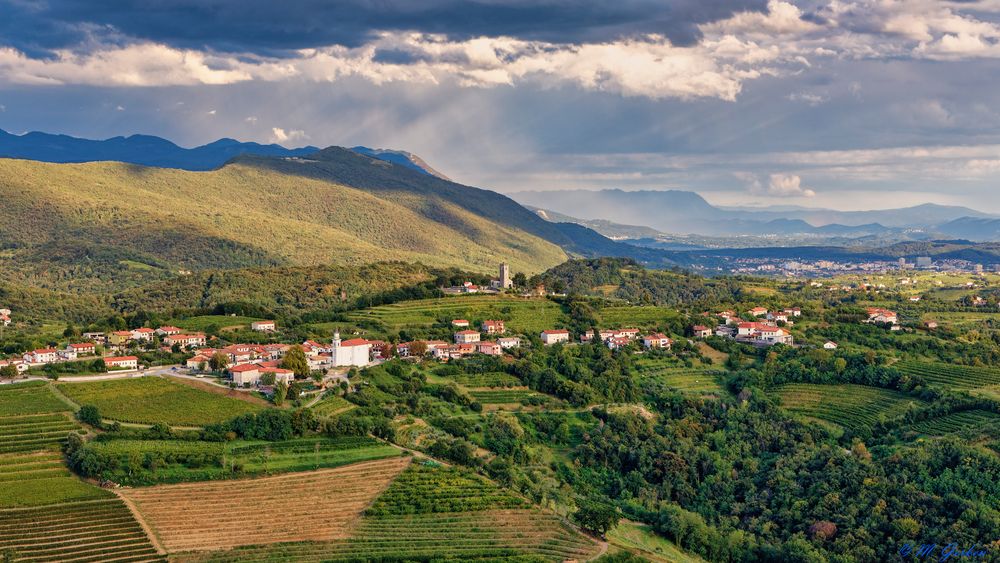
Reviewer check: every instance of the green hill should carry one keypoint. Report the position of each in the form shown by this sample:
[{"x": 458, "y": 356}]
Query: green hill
[{"x": 94, "y": 225}]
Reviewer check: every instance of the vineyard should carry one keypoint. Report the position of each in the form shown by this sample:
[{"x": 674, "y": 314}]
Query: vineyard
[
  {"x": 691, "y": 380},
  {"x": 316, "y": 506},
  {"x": 332, "y": 406},
  {"x": 82, "y": 532},
  {"x": 490, "y": 379},
  {"x": 38, "y": 478},
  {"x": 435, "y": 513},
  {"x": 33, "y": 397},
  {"x": 635, "y": 316},
  {"x": 176, "y": 461},
  {"x": 501, "y": 396},
  {"x": 951, "y": 376},
  {"x": 148, "y": 400},
  {"x": 850, "y": 406},
  {"x": 34, "y": 432},
  {"x": 958, "y": 422},
  {"x": 521, "y": 315}
]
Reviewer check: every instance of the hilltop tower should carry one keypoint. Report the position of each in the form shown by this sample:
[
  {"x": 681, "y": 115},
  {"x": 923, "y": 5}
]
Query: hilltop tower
[
  {"x": 336, "y": 338},
  {"x": 505, "y": 280}
]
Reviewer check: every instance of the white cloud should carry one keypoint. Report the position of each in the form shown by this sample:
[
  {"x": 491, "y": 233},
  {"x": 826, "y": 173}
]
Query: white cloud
[
  {"x": 119, "y": 108},
  {"x": 808, "y": 98},
  {"x": 251, "y": 120},
  {"x": 778, "y": 185},
  {"x": 279, "y": 135},
  {"x": 211, "y": 112}
]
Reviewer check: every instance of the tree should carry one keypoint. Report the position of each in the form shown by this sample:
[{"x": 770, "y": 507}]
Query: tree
[
  {"x": 295, "y": 360},
  {"x": 504, "y": 435},
  {"x": 267, "y": 378},
  {"x": 71, "y": 331},
  {"x": 280, "y": 392},
  {"x": 99, "y": 366},
  {"x": 88, "y": 414},
  {"x": 8, "y": 372},
  {"x": 596, "y": 516},
  {"x": 218, "y": 361},
  {"x": 418, "y": 349},
  {"x": 520, "y": 280}
]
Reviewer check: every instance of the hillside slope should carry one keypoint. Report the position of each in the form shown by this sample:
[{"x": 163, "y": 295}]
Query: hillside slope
[{"x": 78, "y": 225}]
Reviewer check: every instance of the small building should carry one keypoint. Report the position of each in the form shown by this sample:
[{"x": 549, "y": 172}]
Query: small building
[
  {"x": 120, "y": 337},
  {"x": 554, "y": 336},
  {"x": 460, "y": 323},
  {"x": 83, "y": 348},
  {"x": 701, "y": 331},
  {"x": 830, "y": 345},
  {"x": 185, "y": 340},
  {"x": 20, "y": 365},
  {"x": 143, "y": 334},
  {"x": 168, "y": 330},
  {"x": 466, "y": 336},
  {"x": 509, "y": 342},
  {"x": 914, "y": 298},
  {"x": 42, "y": 356},
  {"x": 68, "y": 354},
  {"x": 4, "y": 319},
  {"x": 793, "y": 311},
  {"x": 882, "y": 316},
  {"x": 197, "y": 361},
  {"x": 263, "y": 326},
  {"x": 758, "y": 311},
  {"x": 930, "y": 325},
  {"x": 618, "y": 342},
  {"x": 657, "y": 340},
  {"x": 98, "y": 337},
  {"x": 122, "y": 362},
  {"x": 602, "y": 334},
  {"x": 489, "y": 348},
  {"x": 493, "y": 327}
]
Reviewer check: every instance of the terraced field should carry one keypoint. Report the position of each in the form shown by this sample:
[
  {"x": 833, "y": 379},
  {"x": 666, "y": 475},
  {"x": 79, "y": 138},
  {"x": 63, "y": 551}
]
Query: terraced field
[
  {"x": 501, "y": 396},
  {"x": 318, "y": 506},
  {"x": 635, "y": 316},
  {"x": 850, "y": 406},
  {"x": 492, "y": 379},
  {"x": 148, "y": 400},
  {"x": 952, "y": 376},
  {"x": 80, "y": 532},
  {"x": 958, "y": 422},
  {"x": 39, "y": 478},
  {"x": 433, "y": 513},
  {"x": 32, "y": 397},
  {"x": 332, "y": 406},
  {"x": 521, "y": 315},
  {"x": 34, "y": 432},
  {"x": 691, "y": 380}
]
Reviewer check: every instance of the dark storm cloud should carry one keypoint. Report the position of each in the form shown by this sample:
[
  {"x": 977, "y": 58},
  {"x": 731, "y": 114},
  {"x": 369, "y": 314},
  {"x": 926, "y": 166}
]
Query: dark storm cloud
[{"x": 266, "y": 26}]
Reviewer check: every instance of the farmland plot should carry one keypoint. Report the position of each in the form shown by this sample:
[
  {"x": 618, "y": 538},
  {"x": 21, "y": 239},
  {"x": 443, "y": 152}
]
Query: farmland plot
[
  {"x": 952, "y": 376},
  {"x": 318, "y": 506},
  {"x": 521, "y": 315},
  {"x": 33, "y": 432},
  {"x": 33, "y": 397},
  {"x": 850, "y": 406},
  {"x": 958, "y": 422}
]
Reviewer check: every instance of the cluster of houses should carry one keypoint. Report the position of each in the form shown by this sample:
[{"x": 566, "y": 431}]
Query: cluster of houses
[
  {"x": 877, "y": 315},
  {"x": 765, "y": 332}
]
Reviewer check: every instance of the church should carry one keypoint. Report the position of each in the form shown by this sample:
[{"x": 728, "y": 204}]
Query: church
[{"x": 353, "y": 352}]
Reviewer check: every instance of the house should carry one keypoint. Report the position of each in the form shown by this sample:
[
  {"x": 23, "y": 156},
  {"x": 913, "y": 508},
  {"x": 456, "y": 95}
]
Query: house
[
  {"x": 42, "y": 356},
  {"x": 618, "y": 342},
  {"x": 122, "y": 362},
  {"x": 728, "y": 316},
  {"x": 351, "y": 352},
  {"x": 914, "y": 298},
  {"x": 881, "y": 316},
  {"x": 197, "y": 361},
  {"x": 4, "y": 319},
  {"x": 466, "y": 336},
  {"x": 98, "y": 337},
  {"x": 143, "y": 333},
  {"x": 120, "y": 337},
  {"x": 758, "y": 311},
  {"x": 469, "y": 287},
  {"x": 83, "y": 348},
  {"x": 263, "y": 326},
  {"x": 630, "y": 333},
  {"x": 168, "y": 330},
  {"x": 554, "y": 336},
  {"x": 68, "y": 354},
  {"x": 603, "y": 334},
  {"x": 509, "y": 342},
  {"x": 489, "y": 348},
  {"x": 493, "y": 327},
  {"x": 20, "y": 365},
  {"x": 701, "y": 331},
  {"x": 380, "y": 349},
  {"x": 250, "y": 374},
  {"x": 763, "y": 333},
  {"x": 455, "y": 350},
  {"x": 776, "y": 316},
  {"x": 930, "y": 325},
  {"x": 794, "y": 312},
  {"x": 460, "y": 323},
  {"x": 658, "y": 340},
  {"x": 830, "y": 345},
  {"x": 185, "y": 340}
]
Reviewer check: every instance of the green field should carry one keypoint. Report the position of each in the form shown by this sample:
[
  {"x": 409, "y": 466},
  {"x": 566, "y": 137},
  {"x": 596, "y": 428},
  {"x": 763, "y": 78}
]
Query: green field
[
  {"x": 850, "y": 406},
  {"x": 669, "y": 374},
  {"x": 180, "y": 460},
  {"x": 501, "y": 396},
  {"x": 490, "y": 379},
  {"x": 148, "y": 400},
  {"x": 958, "y": 422},
  {"x": 204, "y": 322},
  {"x": 635, "y": 316},
  {"x": 951, "y": 376},
  {"x": 33, "y": 432},
  {"x": 81, "y": 531},
  {"x": 522, "y": 315},
  {"x": 332, "y": 406},
  {"x": 642, "y": 540},
  {"x": 31, "y": 397}
]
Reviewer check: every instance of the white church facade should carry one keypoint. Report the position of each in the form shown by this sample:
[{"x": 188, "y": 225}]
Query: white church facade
[{"x": 353, "y": 352}]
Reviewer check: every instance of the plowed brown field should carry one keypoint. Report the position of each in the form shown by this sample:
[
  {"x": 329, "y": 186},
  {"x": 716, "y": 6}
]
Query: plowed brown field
[{"x": 316, "y": 506}]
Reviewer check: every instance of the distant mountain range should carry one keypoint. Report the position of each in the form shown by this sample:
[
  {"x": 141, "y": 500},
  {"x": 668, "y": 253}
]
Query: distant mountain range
[
  {"x": 682, "y": 212},
  {"x": 149, "y": 150}
]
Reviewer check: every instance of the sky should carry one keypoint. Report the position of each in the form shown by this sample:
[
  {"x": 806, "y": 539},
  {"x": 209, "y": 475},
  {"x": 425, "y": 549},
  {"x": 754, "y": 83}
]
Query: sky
[{"x": 845, "y": 104}]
